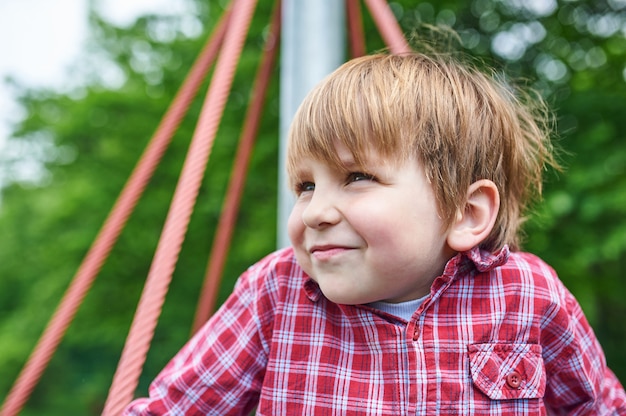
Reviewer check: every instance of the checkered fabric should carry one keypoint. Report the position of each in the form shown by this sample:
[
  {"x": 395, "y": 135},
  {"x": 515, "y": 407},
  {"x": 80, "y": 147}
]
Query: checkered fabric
[{"x": 498, "y": 335}]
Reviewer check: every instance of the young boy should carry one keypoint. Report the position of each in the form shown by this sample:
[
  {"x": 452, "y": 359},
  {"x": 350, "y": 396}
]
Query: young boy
[{"x": 404, "y": 291}]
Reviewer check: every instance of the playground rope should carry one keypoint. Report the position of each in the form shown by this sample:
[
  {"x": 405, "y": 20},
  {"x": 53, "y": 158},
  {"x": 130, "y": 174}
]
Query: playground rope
[
  {"x": 356, "y": 35},
  {"x": 388, "y": 26},
  {"x": 141, "y": 332},
  {"x": 228, "y": 216},
  {"x": 111, "y": 229}
]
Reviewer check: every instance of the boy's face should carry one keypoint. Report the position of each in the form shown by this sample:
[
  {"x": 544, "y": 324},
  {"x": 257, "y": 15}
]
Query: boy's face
[{"x": 367, "y": 236}]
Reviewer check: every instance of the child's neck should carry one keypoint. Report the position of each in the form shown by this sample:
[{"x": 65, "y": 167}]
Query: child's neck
[{"x": 404, "y": 310}]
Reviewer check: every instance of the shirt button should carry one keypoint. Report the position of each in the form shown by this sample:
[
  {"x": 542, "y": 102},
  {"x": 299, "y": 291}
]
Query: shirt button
[{"x": 514, "y": 380}]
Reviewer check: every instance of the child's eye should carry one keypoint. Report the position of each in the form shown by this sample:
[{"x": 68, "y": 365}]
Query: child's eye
[
  {"x": 305, "y": 187},
  {"x": 360, "y": 176}
]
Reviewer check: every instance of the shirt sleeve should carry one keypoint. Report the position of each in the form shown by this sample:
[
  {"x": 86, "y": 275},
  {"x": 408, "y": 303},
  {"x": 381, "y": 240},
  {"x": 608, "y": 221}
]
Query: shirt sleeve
[
  {"x": 221, "y": 369},
  {"x": 579, "y": 381}
]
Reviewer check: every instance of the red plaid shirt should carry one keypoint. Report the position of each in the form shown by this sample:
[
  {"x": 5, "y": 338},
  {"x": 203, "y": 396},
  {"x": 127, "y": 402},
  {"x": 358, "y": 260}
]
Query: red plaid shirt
[{"x": 498, "y": 335}]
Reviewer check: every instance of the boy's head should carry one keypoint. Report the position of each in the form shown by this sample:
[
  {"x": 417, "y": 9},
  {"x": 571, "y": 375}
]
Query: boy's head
[{"x": 460, "y": 124}]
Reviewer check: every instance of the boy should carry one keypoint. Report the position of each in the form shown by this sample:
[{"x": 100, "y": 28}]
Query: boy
[{"x": 404, "y": 291}]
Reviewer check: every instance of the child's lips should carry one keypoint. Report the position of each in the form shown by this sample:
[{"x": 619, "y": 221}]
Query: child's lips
[{"x": 324, "y": 252}]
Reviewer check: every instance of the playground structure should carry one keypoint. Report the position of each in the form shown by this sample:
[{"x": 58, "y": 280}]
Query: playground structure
[{"x": 220, "y": 53}]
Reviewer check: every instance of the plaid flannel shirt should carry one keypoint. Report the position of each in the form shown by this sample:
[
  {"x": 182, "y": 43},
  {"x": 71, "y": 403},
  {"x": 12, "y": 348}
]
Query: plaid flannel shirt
[{"x": 498, "y": 335}]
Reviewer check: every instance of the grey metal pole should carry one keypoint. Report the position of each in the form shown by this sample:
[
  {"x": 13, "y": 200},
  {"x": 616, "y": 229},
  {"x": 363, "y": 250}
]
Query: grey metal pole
[{"x": 312, "y": 46}]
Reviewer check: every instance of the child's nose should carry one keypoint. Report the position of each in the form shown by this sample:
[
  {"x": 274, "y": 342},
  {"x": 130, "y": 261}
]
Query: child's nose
[{"x": 321, "y": 211}]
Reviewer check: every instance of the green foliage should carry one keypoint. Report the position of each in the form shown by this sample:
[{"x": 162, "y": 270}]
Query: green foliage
[{"x": 88, "y": 141}]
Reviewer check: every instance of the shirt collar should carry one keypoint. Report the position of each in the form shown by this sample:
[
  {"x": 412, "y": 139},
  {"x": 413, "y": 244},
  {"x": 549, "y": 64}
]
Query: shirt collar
[
  {"x": 476, "y": 258},
  {"x": 485, "y": 261},
  {"x": 312, "y": 289}
]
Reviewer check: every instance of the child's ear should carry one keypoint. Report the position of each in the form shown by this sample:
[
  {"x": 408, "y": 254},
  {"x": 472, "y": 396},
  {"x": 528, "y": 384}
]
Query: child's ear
[{"x": 475, "y": 220}]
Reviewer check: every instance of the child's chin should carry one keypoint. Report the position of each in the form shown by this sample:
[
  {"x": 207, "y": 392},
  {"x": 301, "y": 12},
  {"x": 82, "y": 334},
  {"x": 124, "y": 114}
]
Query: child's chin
[{"x": 343, "y": 298}]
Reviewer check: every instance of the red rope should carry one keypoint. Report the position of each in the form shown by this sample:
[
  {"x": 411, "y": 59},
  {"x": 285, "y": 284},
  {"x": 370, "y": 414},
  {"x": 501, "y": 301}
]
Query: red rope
[
  {"x": 355, "y": 28},
  {"x": 141, "y": 332},
  {"x": 228, "y": 217},
  {"x": 110, "y": 231},
  {"x": 388, "y": 26}
]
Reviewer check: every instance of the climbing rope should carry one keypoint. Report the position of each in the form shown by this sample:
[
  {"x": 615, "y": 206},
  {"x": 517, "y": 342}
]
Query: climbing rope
[
  {"x": 111, "y": 229},
  {"x": 356, "y": 36},
  {"x": 228, "y": 216},
  {"x": 142, "y": 328},
  {"x": 388, "y": 26}
]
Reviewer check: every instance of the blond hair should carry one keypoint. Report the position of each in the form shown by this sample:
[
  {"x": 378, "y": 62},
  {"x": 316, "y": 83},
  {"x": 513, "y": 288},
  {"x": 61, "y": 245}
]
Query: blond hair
[{"x": 460, "y": 123}]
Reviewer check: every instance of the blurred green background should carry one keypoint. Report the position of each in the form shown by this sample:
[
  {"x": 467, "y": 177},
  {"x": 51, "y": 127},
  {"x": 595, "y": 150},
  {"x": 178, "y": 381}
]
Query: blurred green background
[{"x": 88, "y": 140}]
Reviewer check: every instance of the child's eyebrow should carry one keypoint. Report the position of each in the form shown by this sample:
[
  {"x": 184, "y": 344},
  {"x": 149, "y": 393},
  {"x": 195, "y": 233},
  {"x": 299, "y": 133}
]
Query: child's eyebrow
[
  {"x": 348, "y": 162},
  {"x": 298, "y": 173},
  {"x": 371, "y": 162}
]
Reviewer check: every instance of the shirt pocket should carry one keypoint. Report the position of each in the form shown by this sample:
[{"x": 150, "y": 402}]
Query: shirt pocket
[{"x": 508, "y": 371}]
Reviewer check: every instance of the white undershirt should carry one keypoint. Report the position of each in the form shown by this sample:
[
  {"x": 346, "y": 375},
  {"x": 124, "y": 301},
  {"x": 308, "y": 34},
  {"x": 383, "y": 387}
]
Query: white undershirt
[{"x": 402, "y": 310}]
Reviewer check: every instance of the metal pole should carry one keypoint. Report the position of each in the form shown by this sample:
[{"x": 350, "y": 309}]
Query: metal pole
[{"x": 312, "y": 46}]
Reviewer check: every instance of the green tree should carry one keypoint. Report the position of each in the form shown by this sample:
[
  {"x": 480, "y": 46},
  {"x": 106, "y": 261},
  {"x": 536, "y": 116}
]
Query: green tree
[{"x": 88, "y": 140}]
